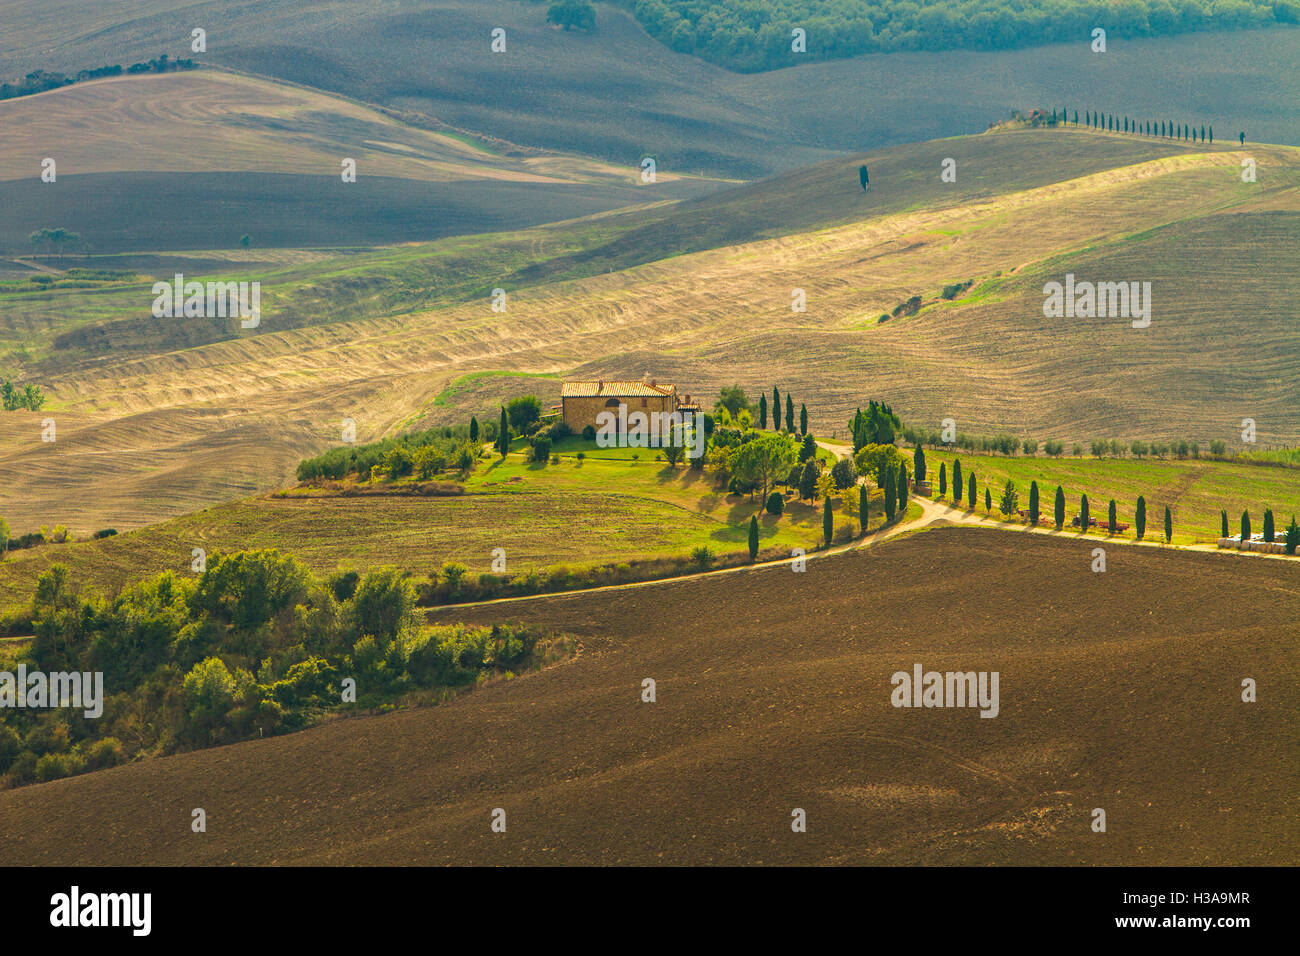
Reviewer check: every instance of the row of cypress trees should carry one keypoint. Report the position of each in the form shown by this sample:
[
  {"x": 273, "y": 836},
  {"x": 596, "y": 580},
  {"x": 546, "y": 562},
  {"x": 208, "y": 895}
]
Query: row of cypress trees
[{"x": 776, "y": 412}]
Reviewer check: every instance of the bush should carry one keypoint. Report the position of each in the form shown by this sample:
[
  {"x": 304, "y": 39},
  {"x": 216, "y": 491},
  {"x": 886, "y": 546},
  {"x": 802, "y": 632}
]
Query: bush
[
  {"x": 104, "y": 533},
  {"x": 541, "y": 449},
  {"x": 844, "y": 473},
  {"x": 56, "y": 766},
  {"x": 702, "y": 558},
  {"x": 775, "y": 503},
  {"x": 589, "y": 433}
]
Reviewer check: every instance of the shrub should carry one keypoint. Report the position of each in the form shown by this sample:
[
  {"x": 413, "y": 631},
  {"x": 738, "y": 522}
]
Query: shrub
[
  {"x": 1291, "y": 537},
  {"x": 541, "y": 449},
  {"x": 104, "y": 533},
  {"x": 775, "y": 503},
  {"x": 56, "y": 766},
  {"x": 589, "y": 433},
  {"x": 844, "y": 473},
  {"x": 702, "y": 558}
]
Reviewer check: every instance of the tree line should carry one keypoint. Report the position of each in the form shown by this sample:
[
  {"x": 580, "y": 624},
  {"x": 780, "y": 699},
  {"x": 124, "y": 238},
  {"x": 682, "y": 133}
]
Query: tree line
[
  {"x": 40, "y": 81},
  {"x": 750, "y": 36},
  {"x": 253, "y": 646}
]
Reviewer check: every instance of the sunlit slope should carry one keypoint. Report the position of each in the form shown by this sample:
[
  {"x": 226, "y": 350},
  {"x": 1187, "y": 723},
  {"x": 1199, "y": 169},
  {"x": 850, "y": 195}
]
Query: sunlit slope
[
  {"x": 400, "y": 280},
  {"x": 988, "y": 359}
]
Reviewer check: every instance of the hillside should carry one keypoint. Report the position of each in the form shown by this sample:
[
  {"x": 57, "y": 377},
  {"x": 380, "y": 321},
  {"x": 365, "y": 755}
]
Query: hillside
[
  {"x": 623, "y": 95},
  {"x": 157, "y": 432},
  {"x": 265, "y": 159},
  {"x": 1119, "y": 691}
]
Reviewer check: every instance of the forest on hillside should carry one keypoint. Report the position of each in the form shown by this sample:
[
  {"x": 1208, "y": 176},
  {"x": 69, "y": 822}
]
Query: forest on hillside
[{"x": 753, "y": 35}]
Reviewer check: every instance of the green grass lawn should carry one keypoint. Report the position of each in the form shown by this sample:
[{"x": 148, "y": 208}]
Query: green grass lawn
[
  {"x": 593, "y": 512},
  {"x": 1195, "y": 490}
]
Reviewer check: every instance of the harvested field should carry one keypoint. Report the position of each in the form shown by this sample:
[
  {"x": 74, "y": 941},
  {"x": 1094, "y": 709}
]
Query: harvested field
[{"x": 1118, "y": 690}]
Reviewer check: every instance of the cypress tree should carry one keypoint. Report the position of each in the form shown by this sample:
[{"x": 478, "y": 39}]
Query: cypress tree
[
  {"x": 1169, "y": 525},
  {"x": 828, "y": 524},
  {"x": 891, "y": 501},
  {"x": 753, "y": 537},
  {"x": 988, "y": 500},
  {"x": 1140, "y": 520},
  {"x": 803, "y": 419},
  {"x": 1084, "y": 518},
  {"x": 1245, "y": 526},
  {"x": 473, "y": 429},
  {"x": 956, "y": 481},
  {"x": 789, "y": 412},
  {"x": 943, "y": 479},
  {"x": 863, "y": 500},
  {"x": 1223, "y": 524},
  {"x": 902, "y": 488},
  {"x": 1292, "y": 537},
  {"x": 776, "y": 410},
  {"x": 1268, "y": 525},
  {"x": 1059, "y": 511},
  {"x": 762, "y": 411},
  {"x": 808, "y": 480},
  {"x": 1033, "y": 503},
  {"x": 918, "y": 462},
  {"x": 1111, "y": 520},
  {"x": 503, "y": 434},
  {"x": 974, "y": 494}
]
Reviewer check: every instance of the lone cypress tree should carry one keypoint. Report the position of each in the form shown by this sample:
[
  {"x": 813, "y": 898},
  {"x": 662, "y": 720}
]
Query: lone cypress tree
[
  {"x": 974, "y": 493},
  {"x": 988, "y": 500},
  {"x": 762, "y": 411},
  {"x": 753, "y": 537},
  {"x": 1085, "y": 520},
  {"x": 902, "y": 488},
  {"x": 1292, "y": 537},
  {"x": 863, "y": 501},
  {"x": 1033, "y": 503},
  {"x": 803, "y": 419},
  {"x": 503, "y": 434},
  {"x": 918, "y": 463},
  {"x": 956, "y": 481},
  {"x": 1110, "y": 516},
  {"x": 1223, "y": 524},
  {"x": 776, "y": 410},
  {"x": 891, "y": 501},
  {"x": 1245, "y": 526},
  {"x": 1268, "y": 525},
  {"x": 1141, "y": 518},
  {"x": 789, "y": 412},
  {"x": 473, "y": 429},
  {"x": 943, "y": 479},
  {"x": 1169, "y": 525},
  {"x": 828, "y": 524},
  {"x": 1059, "y": 512}
]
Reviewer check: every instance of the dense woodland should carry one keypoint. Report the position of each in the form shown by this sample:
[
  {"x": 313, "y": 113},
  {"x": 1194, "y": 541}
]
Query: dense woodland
[{"x": 753, "y": 35}]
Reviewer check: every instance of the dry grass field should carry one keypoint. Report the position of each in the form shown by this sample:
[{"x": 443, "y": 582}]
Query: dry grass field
[
  {"x": 1118, "y": 690},
  {"x": 147, "y": 435}
]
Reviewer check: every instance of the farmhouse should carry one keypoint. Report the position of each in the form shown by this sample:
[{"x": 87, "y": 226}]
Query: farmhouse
[{"x": 581, "y": 402}]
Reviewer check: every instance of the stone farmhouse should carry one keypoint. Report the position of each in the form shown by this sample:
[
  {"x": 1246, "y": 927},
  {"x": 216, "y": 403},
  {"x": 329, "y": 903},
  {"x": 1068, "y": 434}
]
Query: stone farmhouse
[{"x": 581, "y": 402}]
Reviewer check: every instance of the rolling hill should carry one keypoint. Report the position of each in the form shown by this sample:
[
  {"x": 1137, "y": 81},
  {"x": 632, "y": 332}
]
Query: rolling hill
[
  {"x": 1118, "y": 690},
  {"x": 175, "y": 422},
  {"x": 620, "y": 95},
  {"x": 265, "y": 159}
]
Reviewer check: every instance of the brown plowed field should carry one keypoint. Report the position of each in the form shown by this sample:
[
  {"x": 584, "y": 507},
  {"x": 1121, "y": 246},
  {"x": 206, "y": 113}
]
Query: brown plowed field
[{"x": 1119, "y": 690}]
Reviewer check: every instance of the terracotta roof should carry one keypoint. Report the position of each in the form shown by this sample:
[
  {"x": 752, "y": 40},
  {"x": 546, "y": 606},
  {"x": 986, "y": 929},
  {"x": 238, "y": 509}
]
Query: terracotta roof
[{"x": 614, "y": 389}]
